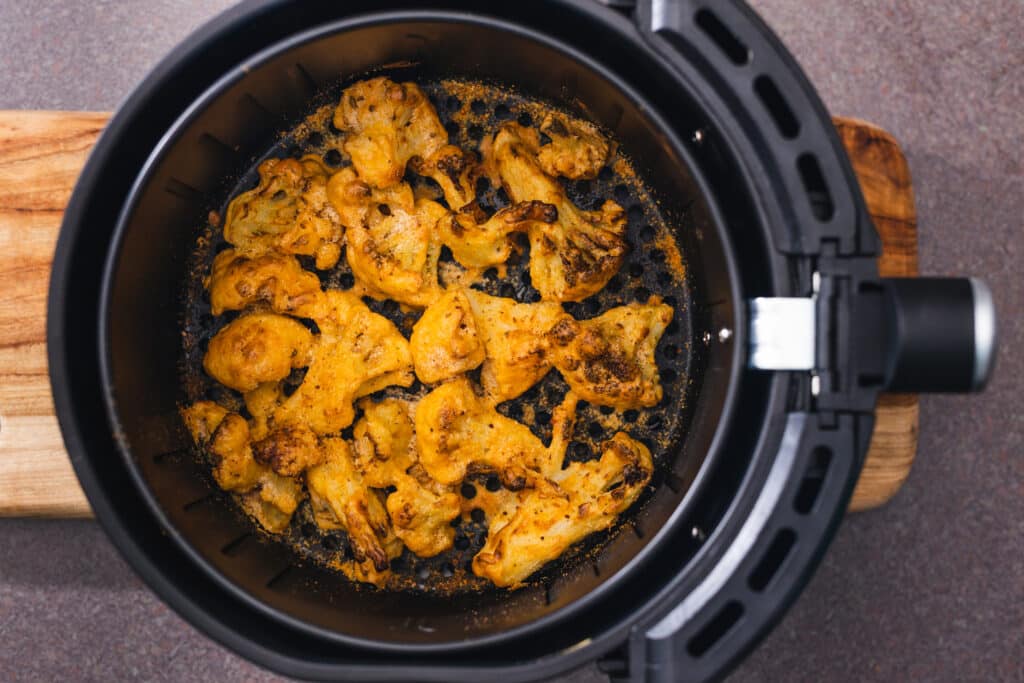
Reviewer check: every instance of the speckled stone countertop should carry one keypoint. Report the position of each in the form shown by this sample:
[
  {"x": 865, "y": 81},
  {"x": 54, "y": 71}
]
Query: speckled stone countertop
[{"x": 929, "y": 588}]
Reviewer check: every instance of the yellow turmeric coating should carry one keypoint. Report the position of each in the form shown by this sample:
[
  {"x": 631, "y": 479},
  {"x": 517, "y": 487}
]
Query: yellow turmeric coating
[{"x": 391, "y": 479}]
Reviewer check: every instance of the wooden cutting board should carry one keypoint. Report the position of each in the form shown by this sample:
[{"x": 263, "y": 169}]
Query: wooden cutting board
[{"x": 41, "y": 154}]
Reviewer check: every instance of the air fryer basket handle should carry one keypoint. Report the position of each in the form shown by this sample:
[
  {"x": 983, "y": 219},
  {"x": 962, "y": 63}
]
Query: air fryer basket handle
[{"x": 942, "y": 334}]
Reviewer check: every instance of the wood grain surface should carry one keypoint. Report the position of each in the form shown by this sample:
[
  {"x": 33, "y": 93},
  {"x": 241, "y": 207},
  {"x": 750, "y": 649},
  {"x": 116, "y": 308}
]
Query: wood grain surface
[
  {"x": 41, "y": 154},
  {"x": 885, "y": 180}
]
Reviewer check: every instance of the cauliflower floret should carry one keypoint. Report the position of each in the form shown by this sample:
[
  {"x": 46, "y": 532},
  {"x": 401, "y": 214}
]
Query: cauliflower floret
[
  {"x": 577, "y": 149},
  {"x": 287, "y": 212},
  {"x": 575, "y": 256},
  {"x": 257, "y": 348},
  {"x": 387, "y": 124}
]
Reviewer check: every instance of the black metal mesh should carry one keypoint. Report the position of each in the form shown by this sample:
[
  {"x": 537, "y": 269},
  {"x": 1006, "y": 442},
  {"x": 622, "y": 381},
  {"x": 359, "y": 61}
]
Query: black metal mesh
[{"x": 469, "y": 111}]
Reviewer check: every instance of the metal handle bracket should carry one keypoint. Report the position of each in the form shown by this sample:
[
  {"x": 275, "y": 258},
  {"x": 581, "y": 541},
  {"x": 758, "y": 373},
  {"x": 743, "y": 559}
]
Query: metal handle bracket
[{"x": 783, "y": 333}]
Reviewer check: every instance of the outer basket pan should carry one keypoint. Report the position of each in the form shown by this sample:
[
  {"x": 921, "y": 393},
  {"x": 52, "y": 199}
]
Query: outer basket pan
[{"x": 199, "y": 122}]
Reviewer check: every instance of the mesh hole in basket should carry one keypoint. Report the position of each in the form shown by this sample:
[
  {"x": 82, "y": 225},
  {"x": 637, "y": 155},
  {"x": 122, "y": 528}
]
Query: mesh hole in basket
[{"x": 332, "y": 157}]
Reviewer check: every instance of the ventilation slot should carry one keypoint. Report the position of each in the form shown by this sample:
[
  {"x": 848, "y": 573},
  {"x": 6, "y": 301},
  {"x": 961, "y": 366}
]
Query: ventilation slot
[
  {"x": 170, "y": 455},
  {"x": 183, "y": 190},
  {"x": 249, "y": 100},
  {"x": 725, "y": 39},
  {"x": 772, "y": 560},
  {"x": 674, "y": 483},
  {"x": 777, "y": 107},
  {"x": 312, "y": 87},
  {"x": 232, "y": 547},
  {"x": 213, "y": 142},
  {"x": 188, "y": 507},
  {"x": 814, "y": 184},
  {"x": 716, "y": 629},
  {"x": 276, "y": 579},
  {"x": 814, "y": 477}
]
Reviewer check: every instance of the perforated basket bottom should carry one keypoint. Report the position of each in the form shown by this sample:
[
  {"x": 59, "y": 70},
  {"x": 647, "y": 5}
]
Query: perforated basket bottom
[{"x": 470, "y": 110}]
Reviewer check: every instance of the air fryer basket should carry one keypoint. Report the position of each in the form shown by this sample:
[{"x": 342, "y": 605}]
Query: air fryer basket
[
  {"x": 228, "y": 130},
  {"x": 741, "y": 157},
  {"x": 469, "y": 110}
]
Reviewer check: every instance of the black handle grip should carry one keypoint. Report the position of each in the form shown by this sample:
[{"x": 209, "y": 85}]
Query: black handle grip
[{"x": 942, "y": 334}]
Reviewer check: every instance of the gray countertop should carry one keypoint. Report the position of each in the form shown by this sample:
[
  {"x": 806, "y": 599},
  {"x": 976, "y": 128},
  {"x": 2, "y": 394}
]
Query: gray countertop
[{"x": 929, "y": 588}]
